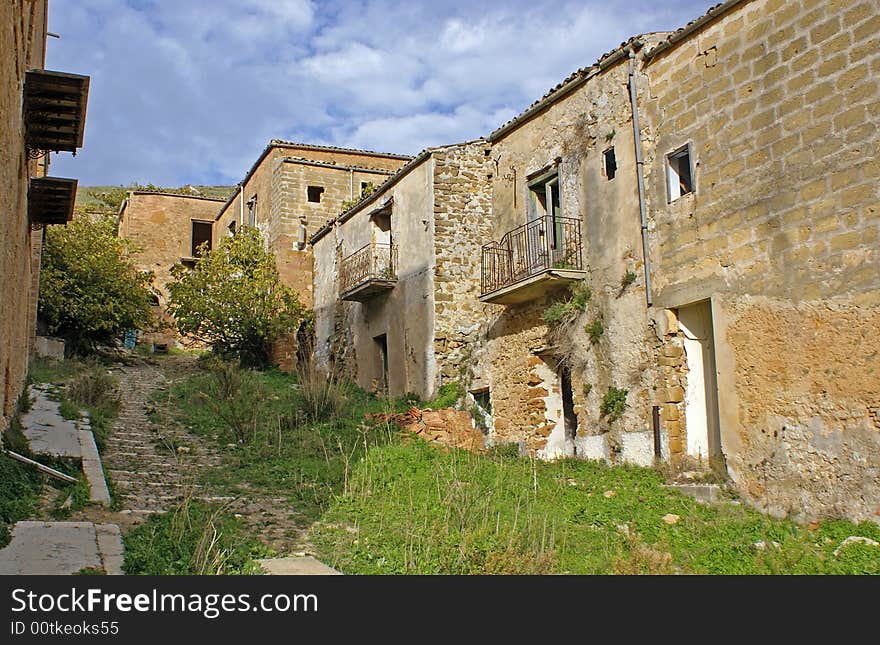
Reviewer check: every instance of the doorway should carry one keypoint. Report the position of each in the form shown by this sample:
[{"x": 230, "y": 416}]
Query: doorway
[
  {"x": 382, "y": 348},
  {"x": 701, "y": 395}
]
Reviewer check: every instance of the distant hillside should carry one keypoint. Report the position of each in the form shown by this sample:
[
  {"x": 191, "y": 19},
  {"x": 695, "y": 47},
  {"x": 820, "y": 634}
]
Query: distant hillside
[{"x": 109, "y": 198}]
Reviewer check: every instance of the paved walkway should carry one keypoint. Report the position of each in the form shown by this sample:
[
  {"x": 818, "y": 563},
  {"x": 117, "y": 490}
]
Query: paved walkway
[
  {"x": 47, "y": 432},
  {"x": 61, "y": 548}
]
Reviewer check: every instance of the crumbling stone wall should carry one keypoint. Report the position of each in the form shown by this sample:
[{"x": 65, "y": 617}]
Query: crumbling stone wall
[
  {"x": 22, "y": 47},
  {"x": 573, "y": 134},
  {"x": 780, "y": 103},
  {"x": 462, "y": 206}
]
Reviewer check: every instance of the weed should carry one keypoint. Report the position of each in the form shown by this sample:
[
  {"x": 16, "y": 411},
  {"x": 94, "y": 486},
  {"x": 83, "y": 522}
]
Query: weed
[
  {"x": 192, "y": 539},
  {"x": 613, "y": 403},
  {"x": 595, "y": 330},
  {"x": 628, "y": 278},
  {"x": 322, "y": 395},
  {"x": 561, "y": 312},
  {"x": 235, "y": 396},
  {"x": 588, "y": 387},
  {"x": 90, "y": 571},
  {"x": 447, "y": 396}
]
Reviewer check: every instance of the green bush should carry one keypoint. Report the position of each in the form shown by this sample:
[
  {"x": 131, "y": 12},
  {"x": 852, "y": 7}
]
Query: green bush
[
  {"x": 613, "y": 403},
  {"x": 447, "y": 396},
  {"x": 90, "y": 288},
  {"x": 560, "y": 312}
]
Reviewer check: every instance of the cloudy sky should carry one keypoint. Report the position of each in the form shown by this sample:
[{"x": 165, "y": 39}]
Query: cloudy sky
[{"x": 190, "y": 91}]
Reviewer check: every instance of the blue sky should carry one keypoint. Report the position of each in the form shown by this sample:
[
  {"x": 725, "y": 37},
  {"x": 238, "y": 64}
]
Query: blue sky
[{"x": 190, "y": 91}]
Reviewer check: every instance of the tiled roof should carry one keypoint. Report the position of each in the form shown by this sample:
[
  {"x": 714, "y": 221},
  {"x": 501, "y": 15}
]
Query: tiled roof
[
  {"x": 713, "y": 12},
  {"x": 313, "y": 146}
]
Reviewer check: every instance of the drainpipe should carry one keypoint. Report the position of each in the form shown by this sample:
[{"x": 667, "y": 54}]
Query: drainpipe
[
  {"x": 241, "y": 204},
  {"x": 351, "y": 183},
  {"x": 641, "y": 174}
]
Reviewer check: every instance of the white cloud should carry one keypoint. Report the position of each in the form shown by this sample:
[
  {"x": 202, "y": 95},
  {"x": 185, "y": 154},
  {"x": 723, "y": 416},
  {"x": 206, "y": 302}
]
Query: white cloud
[{"x": 190, "y": 91}]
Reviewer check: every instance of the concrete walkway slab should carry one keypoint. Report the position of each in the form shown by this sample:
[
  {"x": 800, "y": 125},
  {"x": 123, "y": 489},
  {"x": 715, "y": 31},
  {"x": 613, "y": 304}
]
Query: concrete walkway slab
[
  {"x": 91, "y": 465},
  {"x": 47, "y": 432},
  {"x": 61, "y": 548},
  {"x": 297, "y": 566}
]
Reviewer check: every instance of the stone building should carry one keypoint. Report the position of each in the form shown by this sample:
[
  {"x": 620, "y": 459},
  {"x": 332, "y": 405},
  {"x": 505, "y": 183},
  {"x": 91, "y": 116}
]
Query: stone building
[
  {"x": 711, "y": 198},
  {"x": 293, "y": 188},
  {"x": 168, "y": 229},
  {"x": 43, "y": 111},
  {"x": 731, "y": 256},
  {"x": 396, "y": 275}
]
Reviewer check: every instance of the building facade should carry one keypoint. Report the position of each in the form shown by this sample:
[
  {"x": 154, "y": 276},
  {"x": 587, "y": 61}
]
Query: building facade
[
  {"x": 396, "y": 275},
  {"x": 677, "y": 260},
  {"x": 43, "y": 112}
]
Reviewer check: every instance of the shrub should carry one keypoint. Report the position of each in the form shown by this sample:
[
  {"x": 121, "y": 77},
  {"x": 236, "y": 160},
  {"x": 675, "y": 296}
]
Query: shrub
[
  {"x": 234, "y": 300},
  {"x": 447, "y": 396},
  {"x": 235, "y": 396},
  {"x": 560, "y": 312},
  {"x": 628, "y": 278},
  {"x": 595, "y": 330},
  {"x": 90, "y": 289},
  {"x": 554, "y": 313},
  {"x": 613, "y": 403},
  {"x": 323, "y": 397}
]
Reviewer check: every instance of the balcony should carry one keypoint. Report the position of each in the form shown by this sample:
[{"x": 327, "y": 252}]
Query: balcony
[
  {"x": 368, "y": 271},
  {"x": 51, "y": 200},
  {"x": 55, "y": 110},
  {"x": 531, "y": 260}
]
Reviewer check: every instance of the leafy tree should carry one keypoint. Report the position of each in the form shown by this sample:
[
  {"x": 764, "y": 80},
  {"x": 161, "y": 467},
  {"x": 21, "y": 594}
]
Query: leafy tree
[
  {"x": 234, "y": 300},
  {"x": 90, "y": 289}
]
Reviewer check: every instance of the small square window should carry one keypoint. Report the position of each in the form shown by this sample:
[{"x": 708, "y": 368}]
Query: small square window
[
  {"x": 679, "y": 173},
  {"x": 610, "y": 163},
  {"x": 314, "y": 194}
]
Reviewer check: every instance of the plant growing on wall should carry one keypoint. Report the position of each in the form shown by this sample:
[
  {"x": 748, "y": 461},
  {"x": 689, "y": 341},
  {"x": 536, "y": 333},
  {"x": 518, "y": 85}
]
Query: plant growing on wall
[
  {"x": 90, "y": 289},
  {"x": 560, "y": 312},
  {"x": 613, "y": 403},
  {"x": 234, "y": 300},
  {"x": 595, "y": 330},
  {"x": 628, "y": 278}
]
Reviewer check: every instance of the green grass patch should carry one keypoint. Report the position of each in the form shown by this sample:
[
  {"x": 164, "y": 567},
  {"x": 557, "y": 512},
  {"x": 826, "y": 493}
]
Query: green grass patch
[
  {"x": 282, "y": 452},
  {"x": 409, "y": 508},
  {"x": 20, "y": 487},
  {"x": 193, "y": 539}
]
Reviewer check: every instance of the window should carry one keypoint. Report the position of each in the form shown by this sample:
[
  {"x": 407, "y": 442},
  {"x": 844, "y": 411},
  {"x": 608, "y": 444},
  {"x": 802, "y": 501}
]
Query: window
[
  {"x": 382, "y": 351},
  {"x": 367, "y": 188},
  {"x": 314, "y": 193},
  {"x": 545, "y": 203},
  {"x": 231, "y": 228},
  {"x": 201, "y": 234},
  {"x": 679, "y": 172},
  {"x": 252, "y": 211},
  {"x": 610, "y": 163}
]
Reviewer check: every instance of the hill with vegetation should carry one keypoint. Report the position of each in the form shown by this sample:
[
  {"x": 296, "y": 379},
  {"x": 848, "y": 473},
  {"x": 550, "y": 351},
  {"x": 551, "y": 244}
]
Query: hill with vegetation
[{"x": 108, "y": 199}]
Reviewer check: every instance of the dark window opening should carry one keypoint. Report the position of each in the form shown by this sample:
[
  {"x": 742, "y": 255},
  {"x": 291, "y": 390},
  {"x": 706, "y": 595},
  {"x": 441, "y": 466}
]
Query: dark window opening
[
  {"x": 482, "y": 412},
  {"x": 252, "y": 211},
  {"x": 610, "y": 163},
  {"x": 314, "y": 194},
  {"x": 382, "y": 347},
  {"x": 570, "y": 418},
  {"x": 231, "y": 227},
  {"x": 201, "y": 238},
  {"x": 679, "y": 173}
]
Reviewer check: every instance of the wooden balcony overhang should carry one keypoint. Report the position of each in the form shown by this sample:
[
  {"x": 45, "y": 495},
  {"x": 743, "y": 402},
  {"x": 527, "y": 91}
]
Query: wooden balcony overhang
[
  {"x": 51, "y": 200},
  {"x": 55, "y": 110}
]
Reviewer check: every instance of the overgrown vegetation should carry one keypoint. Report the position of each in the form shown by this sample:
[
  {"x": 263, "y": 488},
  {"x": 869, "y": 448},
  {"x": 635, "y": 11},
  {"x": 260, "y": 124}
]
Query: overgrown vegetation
[
  {"x": 447, "y": 396},
  {"x": 564, "y": 311},
  {"x": 20, "y": 487},
  {"x": 192, "y": 539},
  {"x": 613, "y": 403},
  {"x": 628, "y": 278},
  {"x": 413, "y": 509},
  {"x": 90, "y": 289},
  {"x": 234, "y": 300},
  {"x": 286, "y": 452},
  {"x": 595, "y": 330}
]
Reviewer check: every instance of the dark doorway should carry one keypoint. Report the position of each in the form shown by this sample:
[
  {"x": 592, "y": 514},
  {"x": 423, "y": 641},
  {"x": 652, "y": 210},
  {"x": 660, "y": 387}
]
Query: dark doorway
[
  {"x": 201, "y": 234},
  {"x": 569, "y": 417},
  {"x": 382, "y": 347}
]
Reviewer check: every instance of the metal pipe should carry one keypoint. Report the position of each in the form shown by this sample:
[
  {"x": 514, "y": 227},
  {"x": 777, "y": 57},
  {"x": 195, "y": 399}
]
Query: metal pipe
[
  {"x": 241, "y": 204},
  {"x": 641, "y": 175},
  {"x": 49, "y": 471},
  {"x": 656, "y": 417}
]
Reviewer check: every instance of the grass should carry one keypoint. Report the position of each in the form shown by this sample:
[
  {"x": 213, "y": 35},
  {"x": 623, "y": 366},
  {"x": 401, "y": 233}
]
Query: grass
[
  {"x": 20, "y": 487},
  {"x": 564, "y": 311},
  {"x": 412, "y": 509},
  {"x": 284, "y": 453},
  {"x": 193, "y": 539}
]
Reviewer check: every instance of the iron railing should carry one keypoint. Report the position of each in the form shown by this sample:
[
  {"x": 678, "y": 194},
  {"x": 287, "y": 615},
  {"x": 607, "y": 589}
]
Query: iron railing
[
  {"x": 527, "y": 250},
  {"x": 375, "y": 261}
]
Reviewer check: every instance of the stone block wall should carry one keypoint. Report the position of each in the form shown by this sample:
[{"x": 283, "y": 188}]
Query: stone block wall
[
  {"x": 780, "y": 102},
  {"x": 462, "y": 224},
  {"x": 22, "y": 47}
]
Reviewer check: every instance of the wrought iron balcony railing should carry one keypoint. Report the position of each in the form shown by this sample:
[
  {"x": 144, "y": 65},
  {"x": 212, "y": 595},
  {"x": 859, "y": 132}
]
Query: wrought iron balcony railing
[
  {"x": 528, "y": 250},
  {"x": 370, "y": 269}
]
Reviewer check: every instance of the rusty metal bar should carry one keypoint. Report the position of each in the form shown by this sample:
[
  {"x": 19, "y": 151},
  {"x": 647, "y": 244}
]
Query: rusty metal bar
[{"x": 374, "y": 261}]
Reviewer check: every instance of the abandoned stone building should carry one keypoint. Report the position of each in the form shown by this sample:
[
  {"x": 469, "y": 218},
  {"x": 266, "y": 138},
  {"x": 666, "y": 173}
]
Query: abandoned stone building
[
  {"x": 43, "y": 111},
  {"x": 711, "y": 195},
  {"x": 395, "y": 275},
  {"x": 291, "y": 189}
]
